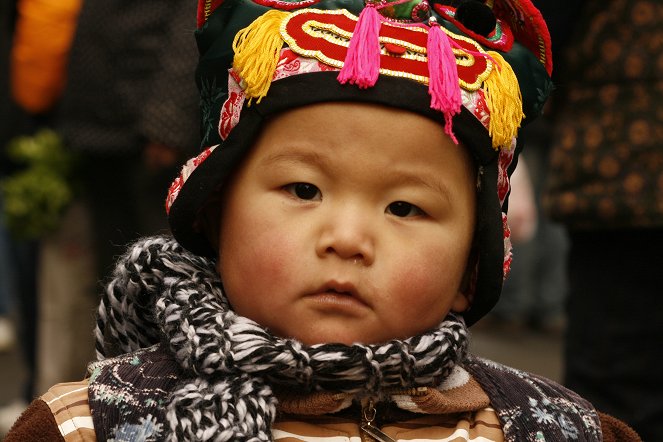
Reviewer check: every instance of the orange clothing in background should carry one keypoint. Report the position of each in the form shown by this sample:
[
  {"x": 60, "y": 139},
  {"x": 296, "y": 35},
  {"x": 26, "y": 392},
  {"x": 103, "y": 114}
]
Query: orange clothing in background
[{"x": 43, "y": 36}]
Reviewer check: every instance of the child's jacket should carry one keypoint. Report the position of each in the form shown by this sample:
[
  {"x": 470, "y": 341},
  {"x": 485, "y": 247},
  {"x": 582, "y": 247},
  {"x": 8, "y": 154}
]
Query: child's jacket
[{"x": 121, "y": 398}]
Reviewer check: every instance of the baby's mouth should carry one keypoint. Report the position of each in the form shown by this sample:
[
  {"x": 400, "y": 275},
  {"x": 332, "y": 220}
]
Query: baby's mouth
[
  {"x": 340, "y": 288},
  {"x": 335, "y": 292}
]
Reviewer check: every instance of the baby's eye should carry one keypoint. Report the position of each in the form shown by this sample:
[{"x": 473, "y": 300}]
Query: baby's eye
[
  {"x": 304, "y": 191},
  {"x": 403, "y": 209}
]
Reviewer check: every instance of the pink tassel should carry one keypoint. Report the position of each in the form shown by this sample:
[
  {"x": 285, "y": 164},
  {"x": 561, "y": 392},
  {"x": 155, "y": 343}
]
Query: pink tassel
[
  {"x": 362, "y": 62},
  {"x": 443, "y": 85}
]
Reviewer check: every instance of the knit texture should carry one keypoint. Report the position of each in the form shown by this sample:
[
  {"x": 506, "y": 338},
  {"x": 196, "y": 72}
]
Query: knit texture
[
  {"x": 230, "y": 363},
  {"x": 190, "y": 368}
]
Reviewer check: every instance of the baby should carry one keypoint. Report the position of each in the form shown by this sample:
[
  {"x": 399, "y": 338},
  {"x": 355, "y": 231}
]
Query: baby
[{"x": 333, "y": 244}]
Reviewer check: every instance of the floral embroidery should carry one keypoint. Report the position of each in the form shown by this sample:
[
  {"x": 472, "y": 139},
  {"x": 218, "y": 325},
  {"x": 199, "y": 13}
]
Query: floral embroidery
[
  {"x": 293, "y": 64},
  {"x": 232, "y": 108},
  {"x": 173, "y": 192},
  {"x": 147, "y": 429},
  {"x": 187, "y": 170},
  {"x": 475, "y": 102},
  {"x": 541, "y": 415},
  {"x": 508, "y": 255},
  {"x": 504, "y": 161}
]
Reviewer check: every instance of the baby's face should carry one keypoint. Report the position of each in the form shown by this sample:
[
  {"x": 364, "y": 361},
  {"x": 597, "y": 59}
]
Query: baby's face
[{"x": 349, "y": 223}]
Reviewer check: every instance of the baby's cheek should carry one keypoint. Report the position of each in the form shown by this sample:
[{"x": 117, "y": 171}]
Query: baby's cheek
[
  {"x": 425, "y": 288},
  {"x": 271, "y": 260}
]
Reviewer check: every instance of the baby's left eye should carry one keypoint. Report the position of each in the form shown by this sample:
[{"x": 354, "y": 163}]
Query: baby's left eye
[
  {"x": 403, "y": 209},
  {"x": 304, "y": 191}
]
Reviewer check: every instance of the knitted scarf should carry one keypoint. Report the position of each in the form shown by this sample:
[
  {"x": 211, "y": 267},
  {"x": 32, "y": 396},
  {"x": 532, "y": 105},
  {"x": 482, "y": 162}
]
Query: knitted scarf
[{"x": 162, "y": 293}]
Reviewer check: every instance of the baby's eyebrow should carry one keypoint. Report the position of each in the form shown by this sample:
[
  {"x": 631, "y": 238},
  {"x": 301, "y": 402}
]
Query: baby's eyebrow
[
  {"x": 296, "y": 157},
  {"x": 429, "y": 182}
]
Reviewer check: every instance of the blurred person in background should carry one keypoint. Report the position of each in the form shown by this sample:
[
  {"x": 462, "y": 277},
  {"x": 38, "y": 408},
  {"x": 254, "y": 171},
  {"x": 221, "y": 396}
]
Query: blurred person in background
[
  {"x": 128, "y": 114},
  {"x": 606, "y": 186},
  {"x": 17, "y": 256},
  {"x": 7, "y": 333},
  {"x": 127, "y": 111}
]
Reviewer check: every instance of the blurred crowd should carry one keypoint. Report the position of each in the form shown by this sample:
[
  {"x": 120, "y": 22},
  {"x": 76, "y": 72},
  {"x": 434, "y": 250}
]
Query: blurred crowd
[{"x": 99, "y": 108}]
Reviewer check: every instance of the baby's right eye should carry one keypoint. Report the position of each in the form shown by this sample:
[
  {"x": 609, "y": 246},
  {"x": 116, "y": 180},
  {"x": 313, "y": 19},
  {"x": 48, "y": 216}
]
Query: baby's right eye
[{"x": 304, "y": 191}]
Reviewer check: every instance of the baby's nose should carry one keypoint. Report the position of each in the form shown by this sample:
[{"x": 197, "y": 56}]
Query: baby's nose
[{"x": 349, "y": 237}]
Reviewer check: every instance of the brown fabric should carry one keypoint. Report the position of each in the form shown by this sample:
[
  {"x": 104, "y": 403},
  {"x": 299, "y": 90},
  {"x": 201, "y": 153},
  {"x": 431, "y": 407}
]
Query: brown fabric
[
  {"x": 467, "y": 397},
  {"x": 615, "y": 430},
  {"x": 61, "y": 414},
  {"x": 312, "y": 404},
  {"x": 35, "y": 424}
]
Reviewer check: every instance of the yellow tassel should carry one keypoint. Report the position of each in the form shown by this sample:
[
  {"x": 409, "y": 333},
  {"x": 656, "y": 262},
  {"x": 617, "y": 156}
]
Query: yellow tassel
[
  {"x": 504, "y": 102},
  {"x": 257, "y": 51}
]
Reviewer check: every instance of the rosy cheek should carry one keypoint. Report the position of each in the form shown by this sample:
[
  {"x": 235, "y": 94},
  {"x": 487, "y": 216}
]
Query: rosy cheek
[
  {"x": 269, "y": 259},
  {"x": 425, "y": 286}
]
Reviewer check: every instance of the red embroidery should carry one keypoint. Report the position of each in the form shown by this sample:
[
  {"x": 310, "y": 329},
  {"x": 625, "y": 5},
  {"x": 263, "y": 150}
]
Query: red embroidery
[
  {"x": 201, "y": 157},
  {"x": 184, "y": 175},
  {"x": 505, "y": 158},
  {"x": 481, "y": 111},
  {"x": 286, "y": 5},
  {"x": 528, "y": 27},
  {"x": 308, "y": 33},
  {"x": 508, "y": 256},
  {"x": 324, "y": 67},
  {"x": 289, "y": 64},
  {"x": 230, "y": 113},
  {"x": 173, "y": 191}
]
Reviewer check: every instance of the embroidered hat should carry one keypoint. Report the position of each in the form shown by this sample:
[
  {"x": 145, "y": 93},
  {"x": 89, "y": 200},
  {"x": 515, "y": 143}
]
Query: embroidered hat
[{"x": 481, "y": 69}]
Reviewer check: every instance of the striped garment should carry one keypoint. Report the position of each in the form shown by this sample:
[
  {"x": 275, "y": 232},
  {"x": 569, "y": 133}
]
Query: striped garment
[
  {"x": 69, "y": 404},
  {"x": 465, "y": 416}
]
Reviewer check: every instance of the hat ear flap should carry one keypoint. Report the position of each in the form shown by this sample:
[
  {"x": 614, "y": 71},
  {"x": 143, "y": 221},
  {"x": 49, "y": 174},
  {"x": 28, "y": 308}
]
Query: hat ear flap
[{"x": 490, "y": 237}]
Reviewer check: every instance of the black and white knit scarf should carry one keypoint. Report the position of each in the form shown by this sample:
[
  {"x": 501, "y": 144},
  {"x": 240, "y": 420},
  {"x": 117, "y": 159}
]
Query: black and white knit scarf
[{"x": 162, "y": 293}]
